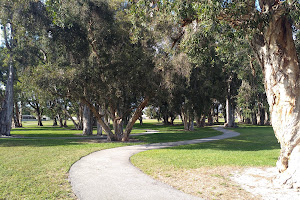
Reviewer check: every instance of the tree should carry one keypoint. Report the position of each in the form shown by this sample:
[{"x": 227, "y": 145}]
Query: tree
[{"x": 8, "y": 28}]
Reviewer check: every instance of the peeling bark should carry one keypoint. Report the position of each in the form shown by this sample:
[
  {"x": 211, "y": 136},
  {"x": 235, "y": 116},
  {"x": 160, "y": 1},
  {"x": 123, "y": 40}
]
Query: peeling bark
[
  {"x": 7, "y": 105},
  {"x": 276, "y": 52}
]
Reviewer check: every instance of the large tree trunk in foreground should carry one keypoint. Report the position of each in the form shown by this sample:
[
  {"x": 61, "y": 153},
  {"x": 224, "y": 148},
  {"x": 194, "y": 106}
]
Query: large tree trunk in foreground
[
  {"x": 8, "y": 105},
  {"x": 276, "y": 52}
]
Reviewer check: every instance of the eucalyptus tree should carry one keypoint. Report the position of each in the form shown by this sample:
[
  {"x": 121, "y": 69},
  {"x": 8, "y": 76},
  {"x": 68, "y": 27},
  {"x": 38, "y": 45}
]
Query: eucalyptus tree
[
  {"x": 268, "y": 24},
  {"x": 7, "y": 19}
]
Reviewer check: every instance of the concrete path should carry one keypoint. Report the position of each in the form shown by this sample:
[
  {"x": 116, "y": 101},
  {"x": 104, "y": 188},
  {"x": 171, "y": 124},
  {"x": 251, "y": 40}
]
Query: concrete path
[{"x": 109, "y": 174}]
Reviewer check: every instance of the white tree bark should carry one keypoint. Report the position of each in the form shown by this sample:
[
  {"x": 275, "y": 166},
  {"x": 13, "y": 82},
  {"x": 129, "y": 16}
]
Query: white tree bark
[
  {"x": 229, "y": 113},
  {"x": 7, "y": 105},
  {"x": 276, "y": 52}
]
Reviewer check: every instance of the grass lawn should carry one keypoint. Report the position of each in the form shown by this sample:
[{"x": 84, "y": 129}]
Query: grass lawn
[
  {"x": 37, "y": 168},
  {"x": 255, "y": 147}
]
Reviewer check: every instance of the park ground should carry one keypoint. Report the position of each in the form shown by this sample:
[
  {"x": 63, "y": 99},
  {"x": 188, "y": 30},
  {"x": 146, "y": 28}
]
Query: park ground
[{"x": 37, "y": 168}]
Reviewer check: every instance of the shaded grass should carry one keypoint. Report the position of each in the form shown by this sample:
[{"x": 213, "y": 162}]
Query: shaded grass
[{"x": 256, "y": 146}]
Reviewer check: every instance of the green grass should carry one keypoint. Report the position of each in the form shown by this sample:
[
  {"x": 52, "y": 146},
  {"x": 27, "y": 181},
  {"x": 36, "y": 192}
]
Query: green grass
[
  {"x": 37, "y": 168},
  {"x": 256, "y": 146}
]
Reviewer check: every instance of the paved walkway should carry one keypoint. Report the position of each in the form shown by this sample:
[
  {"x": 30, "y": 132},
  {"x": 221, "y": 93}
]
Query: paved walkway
[{"x": 109, "y": 174}]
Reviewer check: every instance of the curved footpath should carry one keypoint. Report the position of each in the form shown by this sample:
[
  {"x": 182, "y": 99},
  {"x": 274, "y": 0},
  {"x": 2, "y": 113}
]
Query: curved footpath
[{"x": 109, "y": 174}]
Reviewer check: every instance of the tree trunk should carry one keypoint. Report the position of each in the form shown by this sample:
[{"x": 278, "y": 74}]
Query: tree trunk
[
  {"x": 99, "y": 129},
  {"x": 191, "y": 126},
  {"x": 184, "y": 119},
  {"x": 254, "y": 118},
  {"x": 77, "y": 126},
  {"x": 39, "y": 115},
  {"x": 165, "y": 118},
  {"x": 261, "y": 114},
  {"x": 35, "y": 105},
  {"x": 201, "y": 121},
  {"x": 210, "y": 119},
  {"x": 118, "y": 129},
  {"x": 39, "y": 120},
  {"x": 173, "y": 117},
  {"x": 65, "y": 122},
  {"x": 60, "y": 120},
  {"x": 54, "y": 121},
  {"x": 17, "y": 115},
  {"x": 7, "y": 105},
  {"x": 99, "y": 117},
  {"x": 229, "y": 113},
  {"x": 79, "y": 116},
  {"x": 276, "y": 53},
  {"x": 133, "y": 119},
  {"x": 87, "y": 121}
]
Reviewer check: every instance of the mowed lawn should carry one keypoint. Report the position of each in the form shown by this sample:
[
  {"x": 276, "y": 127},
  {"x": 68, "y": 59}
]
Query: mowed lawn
[
  {"x": 205, "y": 169},
  {"x": 256, "y": 146},
  {"x": 38, "y": 168}
]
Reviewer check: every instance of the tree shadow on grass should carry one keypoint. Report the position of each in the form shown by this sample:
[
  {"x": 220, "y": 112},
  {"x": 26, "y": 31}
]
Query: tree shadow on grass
[
  {"x": 177, "y": 134},
  {"x": 11, "y": 142}
]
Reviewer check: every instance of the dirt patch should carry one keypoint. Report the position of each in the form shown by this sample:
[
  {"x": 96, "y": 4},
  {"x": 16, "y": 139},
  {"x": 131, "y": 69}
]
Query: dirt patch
[
  {"x": 259, "y": 181},
  {"x": 207, "y": 183},
  {"x": 227, "y": 183}
]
